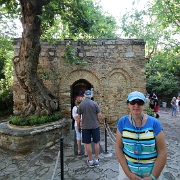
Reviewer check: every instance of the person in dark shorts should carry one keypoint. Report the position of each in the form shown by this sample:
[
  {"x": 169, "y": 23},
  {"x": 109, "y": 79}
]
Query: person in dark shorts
[{"x": 91, "y": 115}]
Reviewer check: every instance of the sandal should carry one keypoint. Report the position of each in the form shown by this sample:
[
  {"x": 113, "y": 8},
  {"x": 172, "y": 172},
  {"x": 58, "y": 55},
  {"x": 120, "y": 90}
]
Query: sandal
[{"x": 79, "y": 153}]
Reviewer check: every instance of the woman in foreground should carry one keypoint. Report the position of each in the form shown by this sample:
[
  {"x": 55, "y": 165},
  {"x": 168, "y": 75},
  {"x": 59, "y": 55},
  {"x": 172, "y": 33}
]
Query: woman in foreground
[{"x": 140, "y": 143}]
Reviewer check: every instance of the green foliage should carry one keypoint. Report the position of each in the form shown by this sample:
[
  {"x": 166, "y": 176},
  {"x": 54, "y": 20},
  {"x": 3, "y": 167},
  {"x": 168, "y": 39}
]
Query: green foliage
[
  {"x": 168, "y": 61},
  {"x": 34, "y": 120},
  {"x": 6, "y": 76},
  {"x": 8, "y": 14},
  {"x": 168, "y": 13},
  {"x": 82, "y": 19},
  {"x": 145, "y": 24},
  {"x": 150, "y": 112},
  {"x": 63, "y": 19},
  {"x": 158, "y": 25},
  {"x": 72, "y": 58},
  {"x": 164, "y": 84},
  {"x": 163, "y": 73},
  {"x": 46, "y": 74},
  {"x": 55, "y": 117}
]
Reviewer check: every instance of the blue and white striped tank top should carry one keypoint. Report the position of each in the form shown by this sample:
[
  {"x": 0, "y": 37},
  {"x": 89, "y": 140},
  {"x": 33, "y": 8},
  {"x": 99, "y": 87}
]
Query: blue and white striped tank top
[{"x": 140, "y": 164}]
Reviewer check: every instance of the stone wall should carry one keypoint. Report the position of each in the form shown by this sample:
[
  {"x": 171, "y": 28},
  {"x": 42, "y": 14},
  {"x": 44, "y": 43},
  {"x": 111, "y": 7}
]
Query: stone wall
[
  {"x": 115, "y": 68},
  {"x": 35, "y": 138}
]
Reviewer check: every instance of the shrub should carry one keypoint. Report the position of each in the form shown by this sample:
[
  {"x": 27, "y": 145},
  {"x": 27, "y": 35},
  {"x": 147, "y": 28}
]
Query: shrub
[
  {"x": 6, "y": 76},
  {"x": 55, "y": 117},
  {"x": 150, "y": 112},
  {"x": 16, "y": 120},
  {"x": 31, "y": 120},
  {"x": 164, "y": 84},
  {"x": 34, "y": 120},
  {"x": 44, "y": 119}
]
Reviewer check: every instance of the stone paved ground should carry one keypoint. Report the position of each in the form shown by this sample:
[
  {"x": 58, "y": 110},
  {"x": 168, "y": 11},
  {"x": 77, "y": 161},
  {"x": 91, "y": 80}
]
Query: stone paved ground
[
  {"x": 171, "y": 125},
  {"x": 40, "y": 165}
]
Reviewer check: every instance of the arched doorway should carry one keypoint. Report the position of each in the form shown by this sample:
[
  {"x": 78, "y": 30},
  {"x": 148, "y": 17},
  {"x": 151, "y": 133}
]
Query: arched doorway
[{"x": 79, "y": 85}]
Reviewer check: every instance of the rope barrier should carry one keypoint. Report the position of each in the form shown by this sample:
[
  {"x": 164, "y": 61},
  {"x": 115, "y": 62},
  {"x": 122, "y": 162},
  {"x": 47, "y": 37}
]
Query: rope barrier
[
  {"x": 111, "y": 132},
  {"x": 55, "y": 165},
  {"x": 113, "y": 140}
]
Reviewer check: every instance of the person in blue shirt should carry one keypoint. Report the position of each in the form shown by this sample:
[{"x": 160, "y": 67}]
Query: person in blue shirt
[{"x": 140, "y": 142}]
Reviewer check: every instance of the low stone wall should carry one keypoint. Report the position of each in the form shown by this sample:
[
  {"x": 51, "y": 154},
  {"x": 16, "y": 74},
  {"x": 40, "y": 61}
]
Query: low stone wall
[{"x": 28, "y": 139}]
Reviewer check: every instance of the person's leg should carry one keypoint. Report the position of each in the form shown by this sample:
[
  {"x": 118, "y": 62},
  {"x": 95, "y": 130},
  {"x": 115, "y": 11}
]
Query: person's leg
[
  {"x": 157, "y": 109},
  {"x": 85, "y": 149},
  {"x": 96, "y": 139},
  {"x": 86, "y": 137},
  {"x": 157, "y": 115},
  {"x": 78, "y": 138},
  {"x": 96, "y": 150},
  {"x": 172, "y": 110},
  {"x": 89, "y": 151},
  {"x": 178, "y": 109},
  {"x": 79, "y": 146}
]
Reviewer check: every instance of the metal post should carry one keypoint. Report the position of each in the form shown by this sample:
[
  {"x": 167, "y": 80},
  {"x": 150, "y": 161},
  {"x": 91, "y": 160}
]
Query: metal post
[
  {"x": 62, "y": 157},
  {"x": 105, "y": 135}
]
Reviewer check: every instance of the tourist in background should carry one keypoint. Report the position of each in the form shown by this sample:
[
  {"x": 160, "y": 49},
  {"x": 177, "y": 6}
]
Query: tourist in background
[
  {"x": 91, "y": 115},
  {"x": 77, "y": 128},
  {"x": 156, "y": 106},
  {"x": 155, "y": 96},
  {"x": 151, "y": 105},
  {"x": 140, "y": 143},
  {"x": 147, "y": 103},
  {"x": 173, "y": 106},
  {"x": 178, "y": 104},
  {"x": 80, "y": 94}
]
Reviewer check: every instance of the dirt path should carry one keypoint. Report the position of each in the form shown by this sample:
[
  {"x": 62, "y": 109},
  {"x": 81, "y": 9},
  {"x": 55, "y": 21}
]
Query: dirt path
[{"x": 171, "y": 124}]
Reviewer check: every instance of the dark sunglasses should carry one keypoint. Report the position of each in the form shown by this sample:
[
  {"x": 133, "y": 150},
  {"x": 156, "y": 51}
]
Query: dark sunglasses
[{"x": 139, "y": 102}]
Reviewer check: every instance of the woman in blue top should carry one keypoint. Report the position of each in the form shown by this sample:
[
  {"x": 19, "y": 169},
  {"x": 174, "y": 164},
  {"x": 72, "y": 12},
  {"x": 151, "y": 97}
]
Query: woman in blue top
[{"x": 140, "y": 143}]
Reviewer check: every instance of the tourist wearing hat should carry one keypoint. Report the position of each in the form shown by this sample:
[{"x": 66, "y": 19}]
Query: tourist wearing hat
[
  {"x": 140, "y": 143},
  {"x": 91, "y": 115}
]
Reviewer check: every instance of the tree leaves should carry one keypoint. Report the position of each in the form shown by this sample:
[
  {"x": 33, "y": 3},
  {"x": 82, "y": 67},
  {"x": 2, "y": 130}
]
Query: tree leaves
[
  {"x": 77, "y": 19},
  {"x": 158, "y": 25},
  {"x": 164, "y": 85}
]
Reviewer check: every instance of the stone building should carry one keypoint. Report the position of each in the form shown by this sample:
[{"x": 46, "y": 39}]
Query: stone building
[{"x": 115, "y": 68}]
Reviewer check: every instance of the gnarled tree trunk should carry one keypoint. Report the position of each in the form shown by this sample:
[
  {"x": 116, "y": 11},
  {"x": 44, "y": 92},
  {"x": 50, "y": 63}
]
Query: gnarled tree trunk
[{"x": 41, "y": 100}]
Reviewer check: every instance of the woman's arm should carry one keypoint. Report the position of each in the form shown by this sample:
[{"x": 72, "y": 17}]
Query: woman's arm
[
  {"x": 162, "y": 155},
  {"x": 78, "y": 119},
  {"x": 161, "y": 158}
]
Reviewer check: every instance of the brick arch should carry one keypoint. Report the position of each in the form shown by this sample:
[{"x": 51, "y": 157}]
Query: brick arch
[
  {"x": 83, "y": 74},
  {"x": 119, "y": 84},
  {"x": 120, "y": 78},
  {"x": 69, "y": 80}
]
